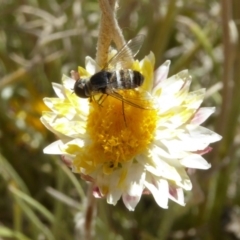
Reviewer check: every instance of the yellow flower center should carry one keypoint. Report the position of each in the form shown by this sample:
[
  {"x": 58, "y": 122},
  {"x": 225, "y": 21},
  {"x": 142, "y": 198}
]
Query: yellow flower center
[{"x": 118, "y": 130}]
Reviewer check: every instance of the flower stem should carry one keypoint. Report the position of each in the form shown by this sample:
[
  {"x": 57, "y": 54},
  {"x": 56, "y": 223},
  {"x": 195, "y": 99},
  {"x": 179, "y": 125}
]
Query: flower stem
[{"x": 89, "y": 214}]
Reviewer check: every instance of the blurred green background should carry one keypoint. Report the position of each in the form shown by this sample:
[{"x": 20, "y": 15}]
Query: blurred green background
[{"x": 41, "y": 40}]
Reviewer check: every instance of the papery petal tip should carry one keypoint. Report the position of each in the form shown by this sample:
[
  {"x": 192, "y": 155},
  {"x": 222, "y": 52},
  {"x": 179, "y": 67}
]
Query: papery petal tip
[{"x": 130, "y": 201}]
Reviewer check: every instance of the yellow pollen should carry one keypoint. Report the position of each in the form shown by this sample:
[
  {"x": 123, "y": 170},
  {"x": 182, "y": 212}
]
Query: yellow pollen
[{"x": 118, "y": 130}]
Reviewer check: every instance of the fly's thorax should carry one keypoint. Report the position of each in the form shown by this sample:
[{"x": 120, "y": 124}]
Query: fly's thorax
[
  {"x": 126, "y": 79},
  {"x": 98, "y": 82}
]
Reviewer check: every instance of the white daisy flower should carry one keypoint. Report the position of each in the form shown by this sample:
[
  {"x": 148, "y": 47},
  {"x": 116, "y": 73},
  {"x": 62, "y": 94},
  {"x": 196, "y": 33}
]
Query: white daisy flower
[{"x": 144, "y": 150}]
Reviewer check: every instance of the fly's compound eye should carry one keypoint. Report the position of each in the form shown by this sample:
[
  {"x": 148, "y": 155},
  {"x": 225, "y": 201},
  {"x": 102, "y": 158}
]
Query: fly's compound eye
[{"x": 80, "y": 88}]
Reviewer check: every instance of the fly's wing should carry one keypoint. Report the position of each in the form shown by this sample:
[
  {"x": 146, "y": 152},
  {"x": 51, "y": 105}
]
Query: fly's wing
[
  {"x": 124, "y": 57},
  {"x": 138, "y": 102}
]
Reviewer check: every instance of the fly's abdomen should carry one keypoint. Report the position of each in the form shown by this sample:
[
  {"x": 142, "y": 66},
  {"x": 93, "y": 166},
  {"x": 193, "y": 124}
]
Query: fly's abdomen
[{"x": 126, "y": 79}]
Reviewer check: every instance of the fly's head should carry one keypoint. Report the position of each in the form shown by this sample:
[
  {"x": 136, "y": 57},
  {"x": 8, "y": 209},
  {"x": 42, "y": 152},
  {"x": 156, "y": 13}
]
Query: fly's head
[{"x": 81, "y": 88}]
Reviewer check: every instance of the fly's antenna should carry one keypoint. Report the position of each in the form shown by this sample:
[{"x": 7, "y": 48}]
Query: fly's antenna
[{"x": 74, "y": 75}]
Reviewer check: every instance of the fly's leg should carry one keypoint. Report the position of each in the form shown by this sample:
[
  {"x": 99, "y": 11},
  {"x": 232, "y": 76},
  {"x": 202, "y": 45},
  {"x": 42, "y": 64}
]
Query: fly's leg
[
  {"x": 93, "y": 99},
  {"x": 124, "y": 117},
  {"x": 120, "y": 97},
  {"x": 102, "y": 99}
]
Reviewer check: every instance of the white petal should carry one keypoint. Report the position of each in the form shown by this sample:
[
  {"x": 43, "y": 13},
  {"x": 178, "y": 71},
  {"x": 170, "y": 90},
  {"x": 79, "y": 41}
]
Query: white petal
[
  {"x": 169, "y": 157},
  {"x": 176, "y": 195},
  {"x": 175, "y": 82},
  {"x": 194, "y": 139},
  {"x": 151, "y": 58},
  {"x": 108, "y": 185},
  {"x": 202, "y": 114},
  {"x": 155, "y": 165},
  {"x": 55, "y": 148},
  {"x": 113, "y": 196},
  {"x": 170, "y": 86},
  {"x": 70, "y": 128},
  {"x": 80, "y": 105},
  {"x": 199, "y": 132},
  {"x": 115, "y": 191},
  {"x": 59, "y": 90},
  {"x": 159, "y": 189},
  {"x": 134, "y": 186},
  {"x": 195, "y": 99},
  {"x": 174, "y": 153},
  {"x": 49, "y": 102},
  {"x": 173, "y": 91},
  {"x": 167, "y": 131},
  {"x": 130, "y": 201},
  {"x": 195, "y": 161},
  {"x": 167, "y": 169},
  {"x": 135, "y": 179},
  {"x": 176, "y": 146},
  {"x": 185, "y": 182},
  {"x": 45, "y": 122},
  {"x": 68, "y": 82},
  {"x": 78, "y": 142},
  {"x": 161, "y": 73},
  {"x": 91, "y": 65},
  {"x": 60, "y": 106}
]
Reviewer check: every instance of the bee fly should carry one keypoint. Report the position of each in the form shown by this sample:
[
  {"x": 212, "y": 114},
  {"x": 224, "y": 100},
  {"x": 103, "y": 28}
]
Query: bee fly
[
  {"x": 107, "y": 81},
  {"x": 116, "y": 75}
]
